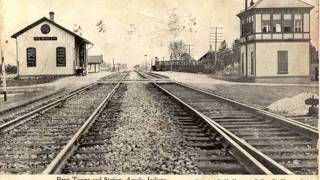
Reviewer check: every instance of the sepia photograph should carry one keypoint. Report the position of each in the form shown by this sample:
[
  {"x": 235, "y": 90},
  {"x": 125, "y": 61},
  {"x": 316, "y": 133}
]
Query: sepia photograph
[{"x": 159, "y": 89}]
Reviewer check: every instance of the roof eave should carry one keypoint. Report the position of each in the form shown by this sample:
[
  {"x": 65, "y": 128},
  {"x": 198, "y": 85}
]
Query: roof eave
[
  {"x": 253, "y": 9},
  {"x": 28, "y": 27},
  {"x": 84, "y": 40},
  {"x": 52, "y": 22},
  {"x": 311, "y": 7}
]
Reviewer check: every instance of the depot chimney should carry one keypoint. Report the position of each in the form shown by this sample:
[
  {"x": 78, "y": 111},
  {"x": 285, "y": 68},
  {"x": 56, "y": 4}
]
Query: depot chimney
[
  {"x": 51, "y": 14},
  {"x": 251, "y": 3}
]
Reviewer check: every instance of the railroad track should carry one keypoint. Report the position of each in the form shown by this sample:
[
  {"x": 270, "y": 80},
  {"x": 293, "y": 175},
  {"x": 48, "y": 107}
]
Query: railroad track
[
  {"x": 93, "y": 151},
  {"x": 311, "y": 120},
  {"x": 13, "y": 112},
  {"x": 30, "y": 142},
  {"x": 283, "y": 145},
  {"x": 153, "y": 76},
  {"x": 218, "y": 135},
  {"x": 19, "y": 111},
  {"x": 90, "y": 147}
]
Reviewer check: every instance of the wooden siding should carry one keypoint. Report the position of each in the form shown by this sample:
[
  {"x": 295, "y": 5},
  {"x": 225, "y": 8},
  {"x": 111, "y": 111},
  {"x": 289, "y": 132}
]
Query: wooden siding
[{"x": 46, "y": 51}]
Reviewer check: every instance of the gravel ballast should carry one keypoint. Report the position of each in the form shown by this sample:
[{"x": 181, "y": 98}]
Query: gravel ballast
[{"x": 140, "y": 137}]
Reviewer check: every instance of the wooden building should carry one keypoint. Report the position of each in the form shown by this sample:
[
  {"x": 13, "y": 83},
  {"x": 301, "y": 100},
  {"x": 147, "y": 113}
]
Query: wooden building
[
  {"x": 45, "y": 48},
  {"x": 208, "y": 58},
  {"x": 208, "y": 62},
  {"x": 275, "y": 40},
  {"x": 94, "y": 63}
]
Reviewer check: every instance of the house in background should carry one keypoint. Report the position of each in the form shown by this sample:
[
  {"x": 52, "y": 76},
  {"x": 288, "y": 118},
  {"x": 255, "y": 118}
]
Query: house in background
[
  {"x": 208, "y": 61},
  {"x": 94, "y": 63},
  {"x": 275, "y": 40},
  {"x": 45, "y": 48},
  {"x": 208, "y": 58}
]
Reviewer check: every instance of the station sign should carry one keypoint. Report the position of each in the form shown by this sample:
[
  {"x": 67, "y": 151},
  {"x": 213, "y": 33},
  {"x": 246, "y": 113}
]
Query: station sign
[{"x": 45, "y": 38}]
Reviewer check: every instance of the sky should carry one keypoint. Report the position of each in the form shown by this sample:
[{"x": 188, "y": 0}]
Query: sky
[{"x": 135, "y": 31}]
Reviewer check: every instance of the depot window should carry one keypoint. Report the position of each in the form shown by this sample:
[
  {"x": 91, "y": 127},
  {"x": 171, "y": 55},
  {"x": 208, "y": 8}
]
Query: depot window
[
  {"x": 61, "y": 56},
  {"x": 31, "y": 57},
  {"x": 287, "y": 23},
  {"x": 297, "y": 23},
  {"x": 276, "y": 23},
  {"x": 252, "y": 64},
  {"x": 266, "y": 23},
  {"x": 282, "y": 62}
]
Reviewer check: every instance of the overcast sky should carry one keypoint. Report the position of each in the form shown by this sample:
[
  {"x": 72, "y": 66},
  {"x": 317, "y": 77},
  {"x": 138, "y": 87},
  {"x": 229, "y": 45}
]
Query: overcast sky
[{"x": 133, "y": 28}]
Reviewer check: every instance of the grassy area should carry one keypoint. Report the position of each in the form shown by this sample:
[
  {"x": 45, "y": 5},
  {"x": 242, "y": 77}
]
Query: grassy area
[{"x": 30, "y": 81}]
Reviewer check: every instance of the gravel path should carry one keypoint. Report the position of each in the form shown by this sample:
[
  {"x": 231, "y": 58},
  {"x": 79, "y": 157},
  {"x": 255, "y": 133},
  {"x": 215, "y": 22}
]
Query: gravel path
[{"x": 140, "y": 137}]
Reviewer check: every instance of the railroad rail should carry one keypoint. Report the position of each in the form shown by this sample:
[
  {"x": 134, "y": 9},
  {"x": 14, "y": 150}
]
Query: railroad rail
[
  {"x": 90, "y": 146},
  {"x": 311, "y": 120},
  {"x": 15, "y": 115},
  {"x": 7, "y": 114},
  {"x": 221, "y": 162},
  {"x": 59, "y": 160},
  {"x": 30, "y": 142},
  {"x": 225, "y": 136},
  {"x": 283, "y": 145},
  {"x": 150, "y": 75}
]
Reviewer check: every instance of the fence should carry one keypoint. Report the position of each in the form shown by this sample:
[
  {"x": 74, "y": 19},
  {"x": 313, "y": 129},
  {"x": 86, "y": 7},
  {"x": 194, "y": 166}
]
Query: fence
[{"x": 183, "y": 66}]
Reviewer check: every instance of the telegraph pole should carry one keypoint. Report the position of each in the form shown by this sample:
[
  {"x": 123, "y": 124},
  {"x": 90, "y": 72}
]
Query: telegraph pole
[
  {"x": 215, "y": 46},
  {"x": 4, "y": 80},
  {"x": 189, "y": 49},
  {"x": 215, "y": 37}
]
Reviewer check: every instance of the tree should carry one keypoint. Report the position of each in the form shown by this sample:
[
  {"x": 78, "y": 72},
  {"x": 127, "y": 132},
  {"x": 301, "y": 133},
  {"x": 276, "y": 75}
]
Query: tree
[
  {"x": 224, "y": 56},
  {"x": 236, "y": 51},
  {"x": 176, "y": 50},
  {"x": 186, "y": 57}
]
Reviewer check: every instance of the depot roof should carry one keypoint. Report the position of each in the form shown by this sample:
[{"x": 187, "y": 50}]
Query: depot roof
[
  {"x": 44, "y": 19},
  {"x": 280, "y": 4}
]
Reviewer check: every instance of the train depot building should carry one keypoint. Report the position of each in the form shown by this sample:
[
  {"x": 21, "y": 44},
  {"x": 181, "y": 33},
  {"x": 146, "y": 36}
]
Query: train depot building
[
  {"x": 45, "y": 48},
  {"x": 275, "y": 40},
  {"x": 94, "y": 63}
]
